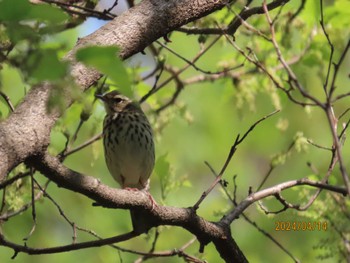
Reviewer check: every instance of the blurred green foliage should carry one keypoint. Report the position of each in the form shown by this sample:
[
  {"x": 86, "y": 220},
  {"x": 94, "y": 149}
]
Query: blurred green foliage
[
  {"x": 106, "y": 60},
  {"x": 200, "y": 126}
]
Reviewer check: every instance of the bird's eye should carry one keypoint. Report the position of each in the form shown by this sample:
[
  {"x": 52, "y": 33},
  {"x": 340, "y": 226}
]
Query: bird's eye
[{"x": 117, "y": 100}]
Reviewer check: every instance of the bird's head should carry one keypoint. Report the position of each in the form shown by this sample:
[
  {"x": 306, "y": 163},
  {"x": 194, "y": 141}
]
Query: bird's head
[{"x": 114, "y": 101}]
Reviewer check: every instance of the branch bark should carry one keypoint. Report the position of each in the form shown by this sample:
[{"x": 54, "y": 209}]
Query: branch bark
[
  {"x": 205, "y": 231},
  {"x": 27, "y": 131}
]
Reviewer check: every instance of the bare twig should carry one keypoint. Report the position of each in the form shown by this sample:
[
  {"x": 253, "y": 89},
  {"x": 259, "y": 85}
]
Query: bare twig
[
  {"x": 81, "y": 10},
  {"x": 194, "y": 65},
  {"x": 331, "y": 54},
  {"x": 8, "y": 215},
  {"x": 13, "y": 179},
  {"x": 196, "y": 58},
  {"x": 332, "y": 120},
  {"x": 83, "y": 145},
  {"x": 269, "y": 236},
  {"x": 293, "y": 80},
  {"x": 59, "y": 249},
  {"x": 112, "y": 6},
  {"x": 179, "y": 88},
  {"x": 236, "y": 22},
  {"x": 324, "y": 180},
  {"x": 319, "y": 146},
  {"x": 272, "y": 166},
  {"x": 296, "y": 13},
  {"x": 271, "y": 191},
  {"x": 169, "y": 253},
  {"x": 33, "y": 205},
  {"x": 7, "y": 100},
  {"x": 229, "y": 157},
  {"x": 254, "y": 224},
  {"x": 337, "y": 145}
]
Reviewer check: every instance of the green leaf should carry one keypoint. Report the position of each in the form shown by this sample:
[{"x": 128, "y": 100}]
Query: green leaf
[
  {"x": 17, "y": 32},
  {"x": 45, "y": 65},
  {"x": 338, "y": 14},
  {"x": 106, "y": 60},
  {"x": 313, "y": 177},
  {"x": 332, "y": 180},
  {"x": 19, "y": 10},
  {"x": 162, "y": 167},
  {"x": 311, "y": 14},
  {"x": 47, "y": 13},
  {"x": 14, "y": 10}
]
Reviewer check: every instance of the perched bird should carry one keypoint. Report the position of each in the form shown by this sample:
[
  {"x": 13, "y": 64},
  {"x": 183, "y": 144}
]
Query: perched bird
[{"x": 128, "y": 143}]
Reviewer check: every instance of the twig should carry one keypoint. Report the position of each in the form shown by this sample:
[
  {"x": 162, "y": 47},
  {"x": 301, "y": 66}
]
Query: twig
[
  {"x": 324, "y": 180},
  {"x": 7, "y": 100},
  {"x": 269, "y": 172},
  {"x": 59, "y": 249},
  {"x": 112, "y": 6},
  {"x": 337, "y": 145},
  {"x": 283, "y": 201},
  {"x": 72, "y": 224},
  {"x": 83, "y": 145},
  {"x": 169, "y": 253},
  {"x": 332, "y": 120},
  {"x": 179, "y": 88},
  {"x": 33, "y": 205},
  {"x": 193, "y": 64},
  {"x": 300, "y": 8},
  {"x": 254, "y": 197},
  {"x": 319, "y": 146},
  {"x": 293, "y": 80},
  {"x": 229, "y": 157},
  {"x": 337, "y": 67},
  {"x": 70, "y": 8},
  {"x": 198, "y": 56},
  {"x": 8, "y": 215},
  {"x": 223, "y": 183},
  {"x": 246, "y": 24},
  {"x": 331, "y": 54},
  {"x": 260, "y": 66},
  {"x": 160, "y": 67},
  {"x": 71, "y": 141},
  {"x": 13, "y": 179},
  {"x": 277, "y": 243},
  {"x": 254, "y": 224},
  {"x": 236, "y": 22}
]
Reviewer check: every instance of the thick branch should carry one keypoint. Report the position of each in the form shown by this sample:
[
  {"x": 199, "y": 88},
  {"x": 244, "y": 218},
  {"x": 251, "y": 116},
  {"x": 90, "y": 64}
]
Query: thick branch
[
  {"x": 27, "y": 130},
  {"x": 106, "y": 196}
]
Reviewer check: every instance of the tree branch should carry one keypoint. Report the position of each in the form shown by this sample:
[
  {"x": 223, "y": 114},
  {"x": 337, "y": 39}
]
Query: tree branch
[
  {"x": 106, "y": 196},
  {"x": 271, "y": 191},
  {"x": 88, "y": 244}
]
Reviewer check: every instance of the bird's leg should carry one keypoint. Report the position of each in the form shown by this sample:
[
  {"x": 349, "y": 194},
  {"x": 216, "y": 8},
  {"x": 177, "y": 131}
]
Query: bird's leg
[{"x": 153, "y": 202}]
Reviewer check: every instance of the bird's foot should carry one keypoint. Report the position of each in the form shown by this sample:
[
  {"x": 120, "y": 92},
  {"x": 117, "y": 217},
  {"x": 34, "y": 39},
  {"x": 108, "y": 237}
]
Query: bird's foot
[{"x": 150, "y": 197}]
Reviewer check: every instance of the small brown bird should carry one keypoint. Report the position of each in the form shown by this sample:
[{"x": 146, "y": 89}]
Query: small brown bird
[{"x": 128, "y": 143}]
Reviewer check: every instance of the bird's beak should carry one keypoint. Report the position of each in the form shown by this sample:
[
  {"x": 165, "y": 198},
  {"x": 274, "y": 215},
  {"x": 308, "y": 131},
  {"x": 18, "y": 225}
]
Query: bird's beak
[{"x": 100, "y": 96}]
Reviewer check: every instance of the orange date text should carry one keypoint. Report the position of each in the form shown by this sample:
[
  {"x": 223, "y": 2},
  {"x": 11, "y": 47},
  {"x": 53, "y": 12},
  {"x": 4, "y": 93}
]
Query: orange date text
[{"x": 300, "y": 226}]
